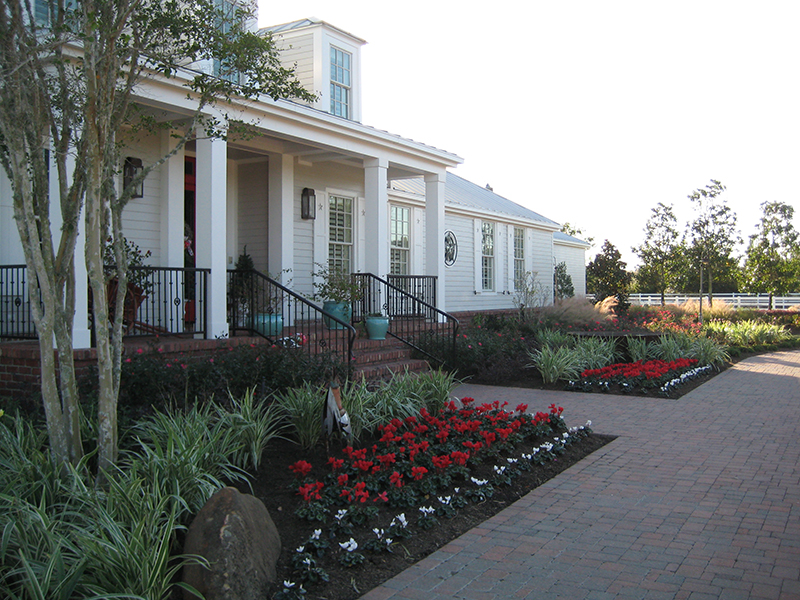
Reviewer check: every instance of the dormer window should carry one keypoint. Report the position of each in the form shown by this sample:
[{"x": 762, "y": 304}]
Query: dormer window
[{"x": 341, "y": 82}]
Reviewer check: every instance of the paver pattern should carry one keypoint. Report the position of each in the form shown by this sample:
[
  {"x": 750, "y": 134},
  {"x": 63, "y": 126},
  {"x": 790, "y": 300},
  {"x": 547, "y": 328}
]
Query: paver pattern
[{"x": 698, "y": 498}]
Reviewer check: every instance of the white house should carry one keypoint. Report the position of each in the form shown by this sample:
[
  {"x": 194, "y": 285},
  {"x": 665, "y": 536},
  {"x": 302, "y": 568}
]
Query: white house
[{"x": 374, "y": 202}]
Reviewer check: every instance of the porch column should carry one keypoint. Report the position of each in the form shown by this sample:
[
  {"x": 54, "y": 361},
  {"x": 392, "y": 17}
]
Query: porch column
[
  {"x": 434, "y": 233},
  {"x": 376, "y": 217},
  {"x": 172, "y": 217},
  {"x": 81, "y": 334},
  {"x": 211, "y": 220},
  {"x": 280, "y": 213}
]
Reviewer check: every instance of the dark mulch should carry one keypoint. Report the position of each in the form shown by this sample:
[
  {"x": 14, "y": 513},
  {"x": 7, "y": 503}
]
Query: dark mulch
[{"x": 274, "y": 486}]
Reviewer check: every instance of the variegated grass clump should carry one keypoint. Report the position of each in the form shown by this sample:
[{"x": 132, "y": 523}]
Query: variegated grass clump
[
  {"x": 639, "y": 349},
  {"x": 596, "y": 352},
  {"x": 63, "y": 536},
  {"x": 554, "y": 363},
  {"x": 706, "y": 350},
  {"x": 746, "y": 333}
]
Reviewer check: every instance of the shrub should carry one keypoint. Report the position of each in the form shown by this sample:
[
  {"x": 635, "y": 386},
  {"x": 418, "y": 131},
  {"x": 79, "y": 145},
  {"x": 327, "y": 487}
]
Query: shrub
[
  {"x": 672, "y": 347},
  {"x": 746, "y": 333},
  {"x": 639, "y": 350},
  {"x": 708, "y": 352}
]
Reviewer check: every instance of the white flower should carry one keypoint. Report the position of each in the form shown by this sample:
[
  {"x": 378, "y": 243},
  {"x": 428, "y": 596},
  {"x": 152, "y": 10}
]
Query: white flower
[
  {"x": 511, "y": 461},
  {"x": 499, "y": 470},
  {"x": 341, "y": 514},
  {"x": 445, "y": 500},
  {"x": 427, "y": 510},
  {"x": 301, "y": 549},
  {"x": 350, "y": 545},
  {"x": 378, "y": 532},
  {"x": 316, "y": 534},
  {"x": 307, "y": 561},
  {"x": 479, "y": 481},
  {"x": 388, "y": 541},
  {"x": 455, "y": 490},
  {"x": 527, "y": 456},
  {"x": 588, "y": 423},
  {"x": 288, "y": 584}
]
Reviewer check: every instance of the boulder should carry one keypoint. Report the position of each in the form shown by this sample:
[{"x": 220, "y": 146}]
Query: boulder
[{"x": 235, "y": 533}]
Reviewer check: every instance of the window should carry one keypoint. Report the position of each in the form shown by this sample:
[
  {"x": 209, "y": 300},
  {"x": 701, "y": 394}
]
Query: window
[
  {"x": 340, "y": 240},
  {"x": 227, "y": 12},
  {"x": 519, "y": 257},
  {"x": 487, "y": 256},
  {"x": 400, "y": 220},
  {"x": 340, "y": 82}
]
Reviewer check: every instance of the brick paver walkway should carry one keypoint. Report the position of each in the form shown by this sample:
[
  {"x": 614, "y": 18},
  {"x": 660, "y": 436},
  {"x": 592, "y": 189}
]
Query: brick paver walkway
[{"x": 698, "y": 498}]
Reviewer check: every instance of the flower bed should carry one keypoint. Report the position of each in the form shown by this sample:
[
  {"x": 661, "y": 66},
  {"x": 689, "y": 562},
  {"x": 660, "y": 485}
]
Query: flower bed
[
  {"x": 637, "y": 377},
  {"x": 363, "y": 505}
]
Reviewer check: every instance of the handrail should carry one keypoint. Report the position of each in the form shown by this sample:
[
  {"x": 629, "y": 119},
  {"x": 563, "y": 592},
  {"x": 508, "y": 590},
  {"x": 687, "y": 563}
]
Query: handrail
[
  {"x": 259, "y": 305},
  {"x": 408, "y": 315}
]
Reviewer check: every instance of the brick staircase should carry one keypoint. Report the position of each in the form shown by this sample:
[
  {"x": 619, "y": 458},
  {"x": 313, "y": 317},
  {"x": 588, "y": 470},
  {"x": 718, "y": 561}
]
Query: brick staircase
[{"x": 378, "y": 360}]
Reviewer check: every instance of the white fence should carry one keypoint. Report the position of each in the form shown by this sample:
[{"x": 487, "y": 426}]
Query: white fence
[{"x": 759, "y": 301}]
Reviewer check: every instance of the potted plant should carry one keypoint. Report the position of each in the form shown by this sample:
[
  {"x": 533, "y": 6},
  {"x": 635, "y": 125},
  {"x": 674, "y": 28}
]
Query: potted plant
[
  {"x": 339, "y": 290},
  {"x": 268, "y": 315},
  {"x": 377, "y": 325},
  {"x": 241, "y": 292},
  {"x": 139, "y": 283}
]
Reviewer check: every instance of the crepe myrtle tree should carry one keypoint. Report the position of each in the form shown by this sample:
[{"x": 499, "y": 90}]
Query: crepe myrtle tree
[
  {"x": 712, "y": 235},
  {"x": 772, "y": 260},
  {"x": 70, "y": 71},
  {"x": 659, "y": 250}
]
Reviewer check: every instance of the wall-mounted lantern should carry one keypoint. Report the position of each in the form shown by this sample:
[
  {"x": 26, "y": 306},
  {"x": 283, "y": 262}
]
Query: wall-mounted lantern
[
  {"x": 308, "y": 204},
  {"x": 131, "y": 168}
]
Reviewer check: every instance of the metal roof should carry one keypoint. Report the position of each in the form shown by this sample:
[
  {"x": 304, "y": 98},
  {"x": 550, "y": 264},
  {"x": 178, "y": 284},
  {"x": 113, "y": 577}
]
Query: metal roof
[
  {"x": 560, "y": 236},
  {"x": 460, "y": 192}
]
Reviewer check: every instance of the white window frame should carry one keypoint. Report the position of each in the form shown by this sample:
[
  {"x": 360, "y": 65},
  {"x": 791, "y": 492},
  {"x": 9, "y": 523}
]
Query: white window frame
[
  {"x": 518, "y": 256},
  {"x": 341, "y": 88},
  {"x": 344, "y": 243},
  {"x": 488, "y": 264},
  {"x": 400, "y": 250}
]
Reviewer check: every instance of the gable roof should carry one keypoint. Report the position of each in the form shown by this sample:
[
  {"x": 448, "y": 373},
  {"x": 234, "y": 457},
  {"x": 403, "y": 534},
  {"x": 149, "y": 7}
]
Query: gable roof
[{"x": 463, "y": 193}]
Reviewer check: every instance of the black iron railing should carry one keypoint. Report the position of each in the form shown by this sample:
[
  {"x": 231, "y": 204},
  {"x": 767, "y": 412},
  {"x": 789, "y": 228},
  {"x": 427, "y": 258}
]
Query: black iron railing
[
  {"x": 413, "y": 321},
  {"x": 16, "y": 321},
  {"x": 421, "y": 287},
  {"x": 164, "y": 301},
  {"x": 260, "y": 305}
]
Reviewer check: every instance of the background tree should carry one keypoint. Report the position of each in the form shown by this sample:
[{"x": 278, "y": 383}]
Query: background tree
[
  {"x": 562, "y": 282},
  {"x": 772, "y": 260},
  {"x": 712, "y": 236},
  {"x": 67, "y": 91},
  {"x": 606, "y": 276},
  {"x": 658, "y": 252}
]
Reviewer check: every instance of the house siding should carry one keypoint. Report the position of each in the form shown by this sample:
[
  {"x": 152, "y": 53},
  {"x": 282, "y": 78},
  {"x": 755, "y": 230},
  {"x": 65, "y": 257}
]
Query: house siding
[
  {"x": 574, "y": 259},
  {"x": 141, "y": 219},
  {"x": 253, "y": 219},
  {"x": 298, "y": 52}
]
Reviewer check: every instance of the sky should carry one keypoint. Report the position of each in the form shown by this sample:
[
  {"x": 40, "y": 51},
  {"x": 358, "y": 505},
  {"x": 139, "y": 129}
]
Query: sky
[{"x": 586, "y": 111}]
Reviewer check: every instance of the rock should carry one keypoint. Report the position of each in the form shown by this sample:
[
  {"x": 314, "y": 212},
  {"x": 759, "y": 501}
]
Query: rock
[{"x": 235, "y": 533}]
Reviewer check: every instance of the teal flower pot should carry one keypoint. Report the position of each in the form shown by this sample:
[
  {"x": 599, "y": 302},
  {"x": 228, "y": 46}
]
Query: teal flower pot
[
  {"x": 269, "y": 325},
  {"x": 341, "y": 310},
  {"x": 377, "y": 327}
]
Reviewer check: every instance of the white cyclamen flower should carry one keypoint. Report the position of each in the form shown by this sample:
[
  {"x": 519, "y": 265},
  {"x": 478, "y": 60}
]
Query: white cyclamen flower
[
  {"x": 301, "y": 549},
  {"x": 341, "y": 514},
  {"x": 378, "y": 532},
  {"x": 316, "y": 534},
  {"x": 288, "y": 584},
  {"x": 479, "y": 481},
  {"x": 350, "y": 545}
]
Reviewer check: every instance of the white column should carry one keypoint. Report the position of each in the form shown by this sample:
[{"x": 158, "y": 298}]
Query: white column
[
  {"x": 172, "y": 199},
  {"x": 81, "y": 333},
  {"x": 280, "y": 213},
  {"x": 434, "y": 233},
  {"x": 377, "y": 217},
  {"x": 211, "y": 211}
]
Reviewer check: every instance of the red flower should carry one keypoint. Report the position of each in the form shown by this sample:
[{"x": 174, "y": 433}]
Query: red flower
[
  {"x": 301, "y": 468},
  {"x": 342, "y": 479},
  {"x": 418, "y": 473},
  {"x": 336, "y": 463},
  {"x": 381, "y": 496},
  {"x": 396, "y": 479}
]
